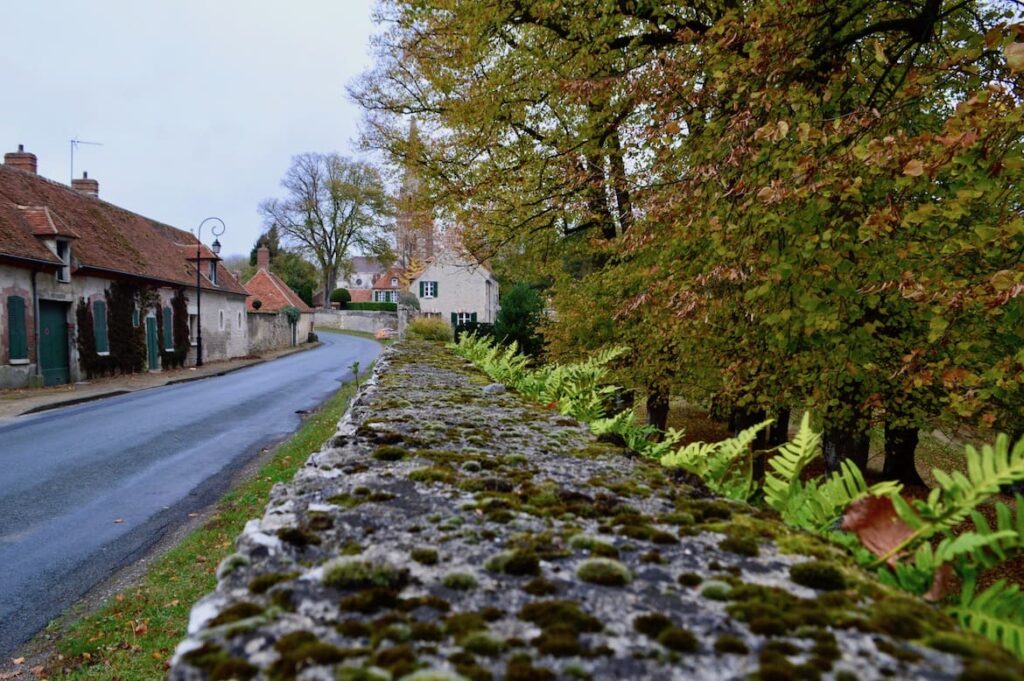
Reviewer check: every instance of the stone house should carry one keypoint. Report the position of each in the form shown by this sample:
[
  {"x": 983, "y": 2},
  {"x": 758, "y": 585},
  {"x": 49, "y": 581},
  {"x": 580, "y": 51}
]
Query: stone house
[
  {"x": 362, "y": 273},
  {"x": 387, "y": 286},
  {"x": 65, "y": 254},
  {"x": 457, "y": 288},
  {"x": 269, "y": 298}
]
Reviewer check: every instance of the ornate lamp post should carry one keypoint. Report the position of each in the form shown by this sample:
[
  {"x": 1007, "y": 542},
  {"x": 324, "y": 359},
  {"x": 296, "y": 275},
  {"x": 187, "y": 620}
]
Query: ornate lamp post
[{"x": 215, "y": 247}]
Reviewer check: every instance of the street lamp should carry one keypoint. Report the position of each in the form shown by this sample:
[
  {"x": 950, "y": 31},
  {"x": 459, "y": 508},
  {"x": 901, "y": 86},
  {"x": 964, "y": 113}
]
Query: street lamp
[{"x": 217, "y": 231}]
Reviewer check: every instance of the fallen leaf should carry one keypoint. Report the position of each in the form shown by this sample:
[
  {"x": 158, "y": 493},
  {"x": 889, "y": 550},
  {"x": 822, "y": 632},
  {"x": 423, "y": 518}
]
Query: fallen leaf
[
  {"x": 914, "y": 168},
  {"x": 18, "y": 660},
  {"x": 876, "y": 524},
  {"x": 200, "y": 559},
  {"x": 141, "y": 628},
  {"x": 119, "y": 597},
  {"x": 941, "y": 584},
  {"x": 193, "y": 515},
  {"x": 37, "y": 670}
]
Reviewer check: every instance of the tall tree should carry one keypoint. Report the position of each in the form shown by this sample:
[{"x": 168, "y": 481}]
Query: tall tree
[{"x": 332, "y": 205}]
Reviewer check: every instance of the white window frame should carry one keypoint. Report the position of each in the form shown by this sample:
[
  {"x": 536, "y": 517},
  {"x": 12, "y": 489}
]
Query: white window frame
[
  {"x": 462, "y": 318},
  {"x": 430, "y": 289},
  {"x": 212, "y": 272}
]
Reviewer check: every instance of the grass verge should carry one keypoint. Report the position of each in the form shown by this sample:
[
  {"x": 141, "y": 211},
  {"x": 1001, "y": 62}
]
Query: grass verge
[{"x": 132, "y": 636}]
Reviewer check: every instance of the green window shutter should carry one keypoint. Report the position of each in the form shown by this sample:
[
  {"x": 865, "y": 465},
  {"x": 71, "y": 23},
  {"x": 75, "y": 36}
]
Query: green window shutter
[
  {"x": 436, "y": 289},
  {"x": 472, "y": 317},
  {"x": 135, "y": 317},
  {"x": 421, "y": 289},
  {"x": 99, "y": 325},
  {"x": 455, "y": 320},
  {"x": 168, "y": 329},
  {"x": 18, "y": 346}
]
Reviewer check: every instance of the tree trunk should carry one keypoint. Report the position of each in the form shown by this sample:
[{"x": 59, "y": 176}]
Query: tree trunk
[
  {"x": 623, "y": 202},
  {"x": 657, "y": 409},
  {"x": 778, "y": 432},
  {"x": 330, "y": 283},
  {"x": 743, "y": 418},
  {"x": 900, "y": 445},
  {"x": 842, "y": 441}
]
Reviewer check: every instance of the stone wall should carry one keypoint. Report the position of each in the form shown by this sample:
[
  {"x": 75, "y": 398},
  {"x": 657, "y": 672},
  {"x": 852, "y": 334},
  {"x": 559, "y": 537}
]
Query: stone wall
[
  {"x": 271, "y": 331},
  {"x": 357, "y": 320},
  {"x": 455, "y": 530}
]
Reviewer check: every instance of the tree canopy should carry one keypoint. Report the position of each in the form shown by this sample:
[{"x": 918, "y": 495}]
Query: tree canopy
[{"x": 775, "y": 204}]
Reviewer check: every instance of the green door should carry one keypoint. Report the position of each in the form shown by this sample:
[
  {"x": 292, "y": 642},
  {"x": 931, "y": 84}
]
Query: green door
[
  {"x": 151, "y": 343},
  {"x": 53, "y": 342}
]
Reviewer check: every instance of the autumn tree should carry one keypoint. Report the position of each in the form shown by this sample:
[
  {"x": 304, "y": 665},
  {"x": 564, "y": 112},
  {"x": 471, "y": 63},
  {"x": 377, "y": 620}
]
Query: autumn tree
[
  {"x": 777, "y": 205},
  {"x": 332, "y": 205}
]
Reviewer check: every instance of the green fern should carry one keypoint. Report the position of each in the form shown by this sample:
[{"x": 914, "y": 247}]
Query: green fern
[
  {"x": 997, "y": 613},
  {"x": 716, "y": 463},
  {"x": 814, "y": 505}
]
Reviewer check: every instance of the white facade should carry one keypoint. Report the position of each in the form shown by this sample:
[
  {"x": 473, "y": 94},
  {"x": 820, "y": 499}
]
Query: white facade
[{"x": 457, "y": 289}]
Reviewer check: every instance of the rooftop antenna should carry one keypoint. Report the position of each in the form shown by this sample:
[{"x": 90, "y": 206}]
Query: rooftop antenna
[{"x": 74, "y": 145}]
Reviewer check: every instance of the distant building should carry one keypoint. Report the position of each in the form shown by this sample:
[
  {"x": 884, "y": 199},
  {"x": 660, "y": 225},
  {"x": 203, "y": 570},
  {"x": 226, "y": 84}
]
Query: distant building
[
  {"x": 362, "y": 274},
  {"x": 415, "y": 232},
  {"x": 63, "y": 246},
  {"x": 455, "y": 287},
  {"x": 269, "y": 327},
  {"x": 388, "y": 286}
]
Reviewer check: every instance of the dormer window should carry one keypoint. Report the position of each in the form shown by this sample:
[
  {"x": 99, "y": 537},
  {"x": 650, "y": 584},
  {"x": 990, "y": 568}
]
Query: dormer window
[
  {"x": 394, "y": 281},
  {"x": 212, "y": 274},
  {"x": 64, "y": 253}
]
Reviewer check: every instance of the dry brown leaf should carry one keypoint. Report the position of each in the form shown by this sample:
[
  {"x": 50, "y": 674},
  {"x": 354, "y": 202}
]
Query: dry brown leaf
[
  {"x": 1014, "y": 53},
  {"x": 876, "y": 524},
  {"x": 18, "y": 660},
  {"x": 141, "y": 628},
  {"x": 913, "y": 168},
  {"x": 942, "y": 582}
]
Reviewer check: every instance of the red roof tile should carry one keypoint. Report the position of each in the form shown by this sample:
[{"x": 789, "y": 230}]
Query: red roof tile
[
  {"x": 384, "y": 283},
  {"x": 361, "y": 295},
  {"x": 111, "y": 241},
  {"x": 274, "y": 294}
]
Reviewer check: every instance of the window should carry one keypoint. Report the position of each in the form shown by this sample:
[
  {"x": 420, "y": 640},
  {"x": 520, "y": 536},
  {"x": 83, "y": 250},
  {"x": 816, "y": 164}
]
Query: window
[
  {"x": 239, "y": 320},
  {"x": 64, "y": 253},
  {"x": 135, "y": 318},
  {"x": 359, "y": 282},
  {"x": 192, "y": 329},
  {"x": 428, "y": 289},
  {"x": 380, "y": 296},
  {"x": 168, "y": 329},
  {"x": 99, "y": 326},
  {"x": 222, "y": 320},
  {"x": 213, "y": 272},
  {"x": 460, "y": 318},
  {"x": 394, "y": 281},
  {"x": 17, "y": 329}
]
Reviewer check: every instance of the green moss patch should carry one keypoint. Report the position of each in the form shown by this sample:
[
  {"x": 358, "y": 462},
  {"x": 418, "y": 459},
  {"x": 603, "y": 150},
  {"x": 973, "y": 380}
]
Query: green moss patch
[{"x": 604, "y": 571}]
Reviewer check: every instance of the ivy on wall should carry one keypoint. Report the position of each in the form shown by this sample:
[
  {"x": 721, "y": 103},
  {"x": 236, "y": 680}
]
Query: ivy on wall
[
  {"x": 172, "y": 359},
  {"x": 127, "y": 352}
]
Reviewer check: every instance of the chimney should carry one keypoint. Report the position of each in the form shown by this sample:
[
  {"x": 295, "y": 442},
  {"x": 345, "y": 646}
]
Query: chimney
[
  {"x": 86, "y": 185},
  {"x": 262, "y": 258},
  {"x": 21, "y": 159}
]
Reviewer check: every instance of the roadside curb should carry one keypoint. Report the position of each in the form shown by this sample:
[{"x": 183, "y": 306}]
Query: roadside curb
[{"x": 175, "y": 381}]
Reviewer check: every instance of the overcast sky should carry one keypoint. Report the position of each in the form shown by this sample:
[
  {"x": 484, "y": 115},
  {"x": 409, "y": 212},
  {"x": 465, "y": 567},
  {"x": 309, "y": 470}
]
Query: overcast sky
[{"x": 199, "y": 104}]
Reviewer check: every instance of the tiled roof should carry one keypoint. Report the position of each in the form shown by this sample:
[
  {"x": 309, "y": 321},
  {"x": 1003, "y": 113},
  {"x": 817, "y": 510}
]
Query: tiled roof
[
  {"x": 361, "y": 295},
  {"x": 111, "y": 241},
  {"x": 384, "y": 283},
  {"x": 274, "y": 294}
]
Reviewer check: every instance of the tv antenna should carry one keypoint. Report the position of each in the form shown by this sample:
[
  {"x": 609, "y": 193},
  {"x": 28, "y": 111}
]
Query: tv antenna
[{"x": 74, "y": 145}]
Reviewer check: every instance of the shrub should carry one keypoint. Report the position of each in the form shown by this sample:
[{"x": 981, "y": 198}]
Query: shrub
[
  {"x": 342, "y": 296},
  {"x": 373, "y": 307},
  {"x": 520, "y": 314},
  {"x": 429, "y": 328},
  {"x": 408, "y": 299}
]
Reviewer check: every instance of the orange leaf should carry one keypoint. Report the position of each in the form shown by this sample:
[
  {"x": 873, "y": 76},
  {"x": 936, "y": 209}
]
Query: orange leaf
[
  {"x": 141, "y": 628},
  {"x": 941, "y": 583},
  {"x": 874, "y": 521}
]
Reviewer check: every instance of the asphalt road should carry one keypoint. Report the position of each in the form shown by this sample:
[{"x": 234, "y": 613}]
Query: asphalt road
[{"x": 149, "y": 459}]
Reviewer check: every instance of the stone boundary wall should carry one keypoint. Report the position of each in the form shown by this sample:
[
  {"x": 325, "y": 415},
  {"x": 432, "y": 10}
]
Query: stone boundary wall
[
  {"x": 368, "y": 321},
  {"x": 452, "y": 530},
  {"x": 271, "y": 331}
]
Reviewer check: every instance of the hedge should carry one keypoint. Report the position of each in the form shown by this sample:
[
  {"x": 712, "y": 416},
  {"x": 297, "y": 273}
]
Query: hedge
[{"x": 378, "y": 307}]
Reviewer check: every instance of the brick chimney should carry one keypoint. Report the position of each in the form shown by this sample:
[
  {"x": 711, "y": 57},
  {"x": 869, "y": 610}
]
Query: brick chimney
[
  {"x": 262, "y": 258},
  {"x": 21, "y": 159},
  {"x": 86, "y": 185}
]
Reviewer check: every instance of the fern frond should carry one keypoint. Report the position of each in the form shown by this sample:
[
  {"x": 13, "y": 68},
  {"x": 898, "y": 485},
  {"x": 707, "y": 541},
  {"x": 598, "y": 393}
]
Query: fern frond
[
  {"x": 782, "y": 483},
  {"x": 997, "y": 613}
]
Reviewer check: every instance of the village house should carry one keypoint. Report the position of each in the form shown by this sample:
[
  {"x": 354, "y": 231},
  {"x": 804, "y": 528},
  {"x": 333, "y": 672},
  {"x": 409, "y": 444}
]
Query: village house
[
  {"x": 387, "y": 287},
  {"x": 268, "y": 306},
  {"x": 360, "y": 276},
  {"x": 67, "y": 258},
  {"x": 457, "y": 288}
]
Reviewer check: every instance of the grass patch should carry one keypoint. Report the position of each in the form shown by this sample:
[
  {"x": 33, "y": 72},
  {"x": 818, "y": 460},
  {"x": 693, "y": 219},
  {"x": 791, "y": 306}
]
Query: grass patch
[{"x": 133, "y": 635}]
